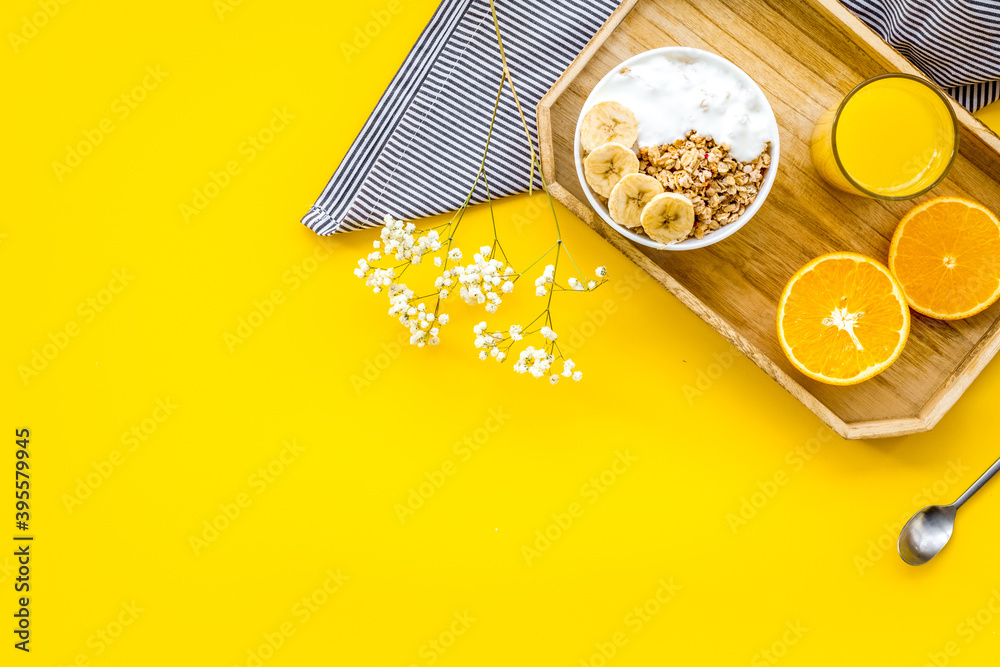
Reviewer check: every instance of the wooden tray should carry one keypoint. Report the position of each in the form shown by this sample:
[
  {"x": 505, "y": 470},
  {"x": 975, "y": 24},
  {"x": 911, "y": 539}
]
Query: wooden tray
[{"x": 805, "y": 55}]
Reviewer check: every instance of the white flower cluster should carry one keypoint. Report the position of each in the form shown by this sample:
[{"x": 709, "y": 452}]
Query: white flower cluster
[
  {"x": 375, "y": 278},
  {"x": 534, "y": 361},
  {"x": 443, "y": 281},
  {"x": 538, "y": 358},
  {"x": 399, "y": 301},
  {"x": 429, "y": 242},
  {"x": 538, "y": 363},
  {"x": 487, "y": 342},
  {"x": 568, "y": 371},
  {"x": 580, "y": 287},
  {"x": 400, "y": 243},
  {"x": 417, "y": 319},
  {"x": 547, "y": 278},
  {"x": 480, "y": 281}
]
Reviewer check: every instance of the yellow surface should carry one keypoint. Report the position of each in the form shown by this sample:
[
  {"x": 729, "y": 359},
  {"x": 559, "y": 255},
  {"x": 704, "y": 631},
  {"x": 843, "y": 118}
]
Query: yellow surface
[
  {"x": 895, "y": 137},
  {"x": 990, "y": 114},
  {"x": 691, "y": 432}
]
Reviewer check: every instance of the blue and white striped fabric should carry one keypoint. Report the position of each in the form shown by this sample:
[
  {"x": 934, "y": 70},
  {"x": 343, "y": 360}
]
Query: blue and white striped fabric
[
  {"x": 955, "y": 42},
  {"x": 421, "y": 147}
]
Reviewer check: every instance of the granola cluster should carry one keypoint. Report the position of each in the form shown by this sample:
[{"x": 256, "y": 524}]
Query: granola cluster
[{"x": 719, "y": 187}]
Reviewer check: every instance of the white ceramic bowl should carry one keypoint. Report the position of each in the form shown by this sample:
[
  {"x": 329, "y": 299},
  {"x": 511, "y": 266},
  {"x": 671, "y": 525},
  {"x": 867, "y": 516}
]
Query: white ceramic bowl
[{"x": 711, "y": 237}]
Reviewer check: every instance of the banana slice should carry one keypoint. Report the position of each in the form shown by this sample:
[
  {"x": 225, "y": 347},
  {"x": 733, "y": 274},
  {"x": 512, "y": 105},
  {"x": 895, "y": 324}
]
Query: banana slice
[
  {"x": 668, "y": 217},
  {"x": 629, "y": 197},
  {"x": 608, "y": 122},
  {"x": 606, "y": 165}
]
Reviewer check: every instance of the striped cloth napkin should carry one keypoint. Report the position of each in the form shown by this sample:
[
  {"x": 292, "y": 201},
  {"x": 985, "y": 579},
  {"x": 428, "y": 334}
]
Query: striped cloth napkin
[{"x": 422, "y": 145}]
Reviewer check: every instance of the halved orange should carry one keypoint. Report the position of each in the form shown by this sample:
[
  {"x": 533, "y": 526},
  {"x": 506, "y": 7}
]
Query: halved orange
[
  {"x": 843, "y": 319},
  {"x": 946, "y": 255}
]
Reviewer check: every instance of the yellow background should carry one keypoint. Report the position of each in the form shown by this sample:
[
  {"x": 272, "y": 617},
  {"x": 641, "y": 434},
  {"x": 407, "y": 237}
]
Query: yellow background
[{"x": 706, "y": 428}]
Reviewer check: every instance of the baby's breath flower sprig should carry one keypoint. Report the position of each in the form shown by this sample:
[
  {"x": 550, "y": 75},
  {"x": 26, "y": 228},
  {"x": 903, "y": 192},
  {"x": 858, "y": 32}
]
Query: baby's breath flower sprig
[{"x": 483, "y": 279}]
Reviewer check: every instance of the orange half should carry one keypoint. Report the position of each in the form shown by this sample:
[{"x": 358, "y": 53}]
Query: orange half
[
  {"x": 843, "y": 319},
  {"x": 946, "y": 255}
]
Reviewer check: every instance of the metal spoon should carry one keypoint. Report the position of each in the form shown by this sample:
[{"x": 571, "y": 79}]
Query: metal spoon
[{"x": 927, "y": 531}]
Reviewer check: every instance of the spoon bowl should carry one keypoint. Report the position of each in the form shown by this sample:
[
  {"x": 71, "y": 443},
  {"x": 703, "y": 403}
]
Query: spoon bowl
[{"x": 926, "y": 533}]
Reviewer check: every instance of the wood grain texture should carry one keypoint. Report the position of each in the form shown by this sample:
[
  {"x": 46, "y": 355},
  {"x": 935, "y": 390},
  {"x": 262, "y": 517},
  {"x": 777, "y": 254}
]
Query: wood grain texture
[{"x": 805, "y": 55}]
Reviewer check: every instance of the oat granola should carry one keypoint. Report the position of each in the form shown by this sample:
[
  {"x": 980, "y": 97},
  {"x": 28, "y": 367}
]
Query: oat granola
[{"x": 719, "y": 186}]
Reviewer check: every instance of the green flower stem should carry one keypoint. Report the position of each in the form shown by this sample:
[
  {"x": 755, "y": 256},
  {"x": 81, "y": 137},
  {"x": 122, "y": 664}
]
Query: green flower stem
[{"x": 513, "y": 91}]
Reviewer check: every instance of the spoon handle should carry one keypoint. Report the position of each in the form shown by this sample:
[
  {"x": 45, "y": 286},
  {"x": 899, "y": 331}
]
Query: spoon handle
[{"x": 978, "y": 484}]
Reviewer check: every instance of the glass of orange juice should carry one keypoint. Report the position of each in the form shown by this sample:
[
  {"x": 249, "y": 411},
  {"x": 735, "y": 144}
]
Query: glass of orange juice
[{"x": 892, "y": 137}]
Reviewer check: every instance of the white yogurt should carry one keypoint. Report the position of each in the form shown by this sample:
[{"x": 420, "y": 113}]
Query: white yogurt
[{"x": 691, "y": 89}]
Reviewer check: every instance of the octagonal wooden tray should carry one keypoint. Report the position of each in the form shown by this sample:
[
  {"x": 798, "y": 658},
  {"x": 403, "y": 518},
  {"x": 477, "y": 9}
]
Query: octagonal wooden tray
[{"x": 805, "y": 55}]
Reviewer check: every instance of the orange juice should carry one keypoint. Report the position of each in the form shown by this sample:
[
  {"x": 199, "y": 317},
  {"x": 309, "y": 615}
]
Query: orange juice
[{"x": 892, "y": 137}]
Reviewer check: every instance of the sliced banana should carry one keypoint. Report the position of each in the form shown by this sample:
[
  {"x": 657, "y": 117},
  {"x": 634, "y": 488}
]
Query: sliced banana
[
  {"x": 607, "y": 164},
  {"x": 629, "y": 197},
  {"x": 668, "y": 217},
  {"x": 608, "y": 122}
]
